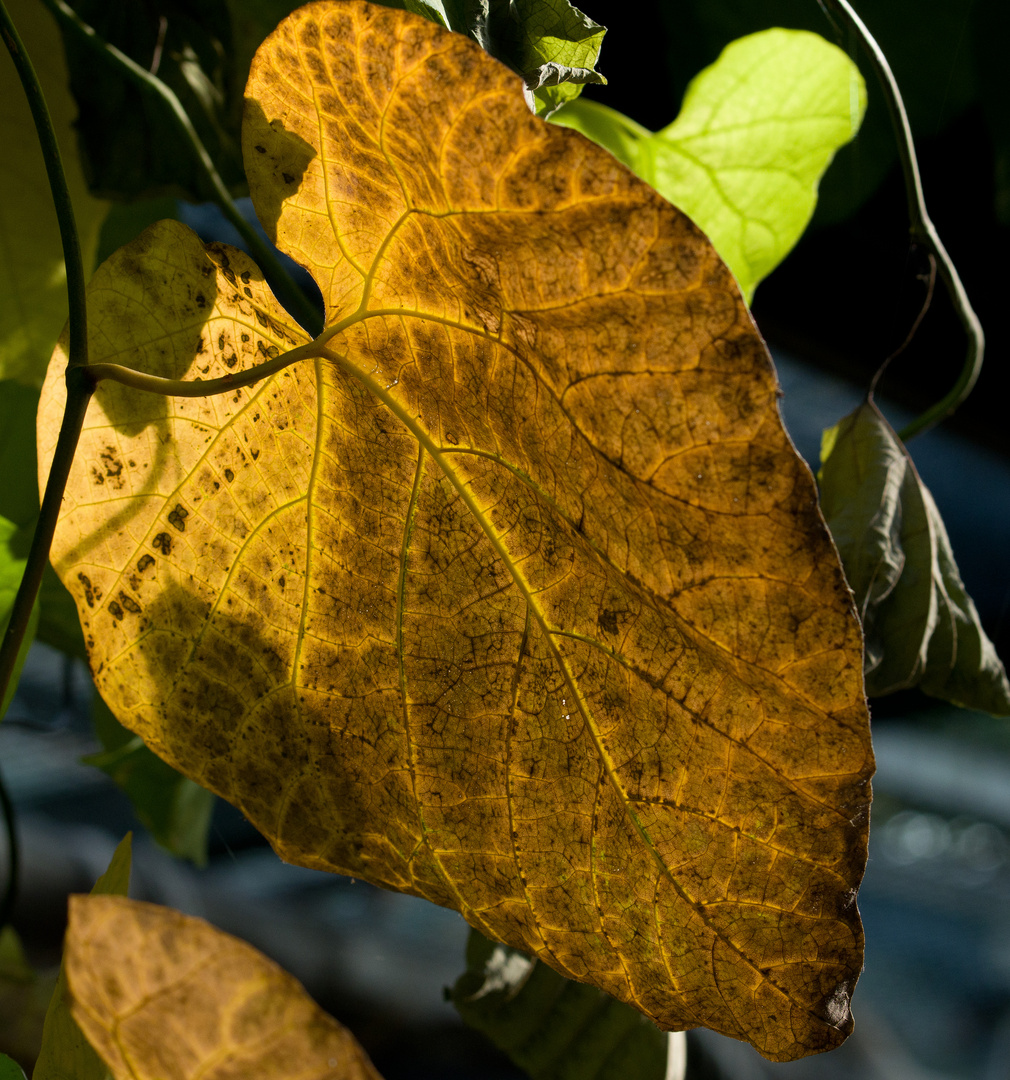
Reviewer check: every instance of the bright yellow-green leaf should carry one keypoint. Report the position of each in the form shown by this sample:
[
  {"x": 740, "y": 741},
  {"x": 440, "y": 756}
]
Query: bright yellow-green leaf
[
  {"x": 66, "y": 1054},
  {"x": 921, "y": 626},
  {"x": 517, "y": 597},
  {"x": 161, "y": 994},
  {"x": 754, "y": 135},
  {"x": 33, "y": 291}
]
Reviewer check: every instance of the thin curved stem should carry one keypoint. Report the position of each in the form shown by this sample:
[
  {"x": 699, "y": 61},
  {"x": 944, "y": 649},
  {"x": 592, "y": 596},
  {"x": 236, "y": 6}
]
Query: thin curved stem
[
  {"x": 288, "y": 292},
  {"x": 921, "y": 227},
  {"x": 10, "y": 893},
  {"x": 78, "y": 344},
  {"x": 193, "y": 388}
]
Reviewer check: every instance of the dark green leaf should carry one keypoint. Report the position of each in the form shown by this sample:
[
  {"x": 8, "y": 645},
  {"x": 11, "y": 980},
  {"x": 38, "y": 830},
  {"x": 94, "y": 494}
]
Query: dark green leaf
[
  {"x": 12, "y": 567},
  {"x": 175, "y": 811},
  {"x": 130, "y": 145},
  {"x": 19, "y": 490},
  {"x": 921, "y": 626},
  {"x": 10, "y": 1069},
  {"x": 56, "y": 616},
  {"x": 24, "y": 995},
  {"x": 551, "y": 1027},
  {"x": 66, "y": 1054}
]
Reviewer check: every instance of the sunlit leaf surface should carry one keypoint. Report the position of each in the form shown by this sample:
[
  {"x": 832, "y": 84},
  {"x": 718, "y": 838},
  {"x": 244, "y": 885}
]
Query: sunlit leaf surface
[
  {"x": 921, "y": 626},
  {"x": 518, "y": 598},
  {"x": 161, "y": 994}
]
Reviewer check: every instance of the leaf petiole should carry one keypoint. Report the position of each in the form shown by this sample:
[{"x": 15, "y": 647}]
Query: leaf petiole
[
  {"x": 194, "y": 388},
  {"x": 290, "y": 295},
  {"x": 922, "y": 230}
]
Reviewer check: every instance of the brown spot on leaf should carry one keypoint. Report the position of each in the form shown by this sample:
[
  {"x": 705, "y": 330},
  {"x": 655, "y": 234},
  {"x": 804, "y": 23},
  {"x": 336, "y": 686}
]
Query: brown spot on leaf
[
  {"x": 177, "y": 518},
  {"x": 129, "y": 603},
  {"x": 89, "y": 592}
]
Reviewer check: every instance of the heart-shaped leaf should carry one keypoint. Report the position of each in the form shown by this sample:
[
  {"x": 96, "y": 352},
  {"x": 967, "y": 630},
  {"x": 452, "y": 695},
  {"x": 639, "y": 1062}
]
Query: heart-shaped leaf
[
  {"x": 159, "y": 993},
  {"x": 517, "y": 596}
]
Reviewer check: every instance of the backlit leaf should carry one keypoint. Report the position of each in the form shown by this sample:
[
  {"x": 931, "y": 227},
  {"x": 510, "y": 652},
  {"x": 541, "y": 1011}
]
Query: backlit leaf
[
  {"x": 754, "y": 135},
  {"x": 33, "y": 288},
  {"x": 66, "y": 1054},
  {"x": 160, "y": 994},
  {"x": 518, "y": 598},
  {"x": 921, "y": 626},
  {"x": 551, "y": 1027}
]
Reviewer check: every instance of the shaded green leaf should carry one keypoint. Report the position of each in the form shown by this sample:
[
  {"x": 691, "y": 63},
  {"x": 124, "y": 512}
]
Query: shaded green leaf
[
  {"x": 13, "y": 545},
  {"x": 10, "y": 1069},
  {"x": 56, "y": 617},
  {"x": 66, "y": 1054},
  {"x": 130, "y": 144},
  {"x": 24, "y": 995},
  {"x": 921, "y": 626},
  {"x": 19, "y": 491},
  {"x": 745, "y": 155},
  {"x": 550, "y": 1026},
  {"x": 174, "y": 810},
  {"x": 33, "y": 291}
]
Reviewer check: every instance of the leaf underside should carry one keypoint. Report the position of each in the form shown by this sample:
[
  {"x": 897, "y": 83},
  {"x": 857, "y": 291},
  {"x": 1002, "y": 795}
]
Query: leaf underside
[
  {"x": 151, "y": 986},
  {"x": 518, "y": 599},
  {"x": 921, "y": 626}
]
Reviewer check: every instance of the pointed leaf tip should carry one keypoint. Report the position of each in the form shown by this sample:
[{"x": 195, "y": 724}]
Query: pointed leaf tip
[{"x": 921, "y": 626}]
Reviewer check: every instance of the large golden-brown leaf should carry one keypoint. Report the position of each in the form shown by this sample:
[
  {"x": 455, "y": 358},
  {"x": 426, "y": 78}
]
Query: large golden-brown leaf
[
  {"x": 163, "y": 996},
  {"x": 519, "y": 598}
]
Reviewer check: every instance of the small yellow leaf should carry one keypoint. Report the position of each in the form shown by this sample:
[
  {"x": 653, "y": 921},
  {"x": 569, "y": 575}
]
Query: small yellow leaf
[
  {"x": 518, "y": 597},
  {"x": 164, "y": 996}
]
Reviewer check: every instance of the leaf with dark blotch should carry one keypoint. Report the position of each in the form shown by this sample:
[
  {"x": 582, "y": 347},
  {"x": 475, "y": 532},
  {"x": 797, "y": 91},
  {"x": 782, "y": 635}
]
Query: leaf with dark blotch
[
  {"x": 921, "y": 626},
  {"x": 551, "y": 1027},
  {"x": 517, "y": 597}
]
